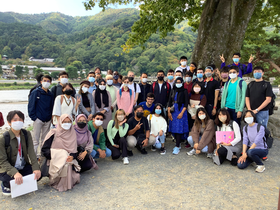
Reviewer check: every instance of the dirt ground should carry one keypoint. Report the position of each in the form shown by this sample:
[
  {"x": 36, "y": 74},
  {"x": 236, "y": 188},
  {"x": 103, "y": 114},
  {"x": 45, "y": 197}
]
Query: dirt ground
[{"x": 155, "y": 181}]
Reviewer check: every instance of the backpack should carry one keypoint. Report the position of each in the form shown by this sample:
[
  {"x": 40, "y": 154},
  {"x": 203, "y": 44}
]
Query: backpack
[
  {"x": 271, "y": 105},
  {"x": 7, "y": 142},
  {"x": 267, "y": 136},
  {"x": 167, "y": 85},
  {"x": 240, "y": 83},
  {"x": 201, "y": 96},
  {"x": 130, "y": 92}
]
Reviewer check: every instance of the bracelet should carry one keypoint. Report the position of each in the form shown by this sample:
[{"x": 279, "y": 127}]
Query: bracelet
[{"x": 215, "y": 107}]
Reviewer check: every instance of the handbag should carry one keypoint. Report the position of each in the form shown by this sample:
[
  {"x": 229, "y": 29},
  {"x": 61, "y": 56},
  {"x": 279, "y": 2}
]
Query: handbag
[{"x": 44, "y": 166}]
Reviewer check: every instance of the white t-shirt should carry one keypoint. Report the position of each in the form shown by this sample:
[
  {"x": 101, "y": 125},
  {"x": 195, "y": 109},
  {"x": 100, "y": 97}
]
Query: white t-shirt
[
  {"x": 180, "y": 68},
  {"x": 131, "y": 86},
  {"x": 160, "y": 85},
  {"x": 157, "y": 124},
  {"x": 19, "y": 164}
]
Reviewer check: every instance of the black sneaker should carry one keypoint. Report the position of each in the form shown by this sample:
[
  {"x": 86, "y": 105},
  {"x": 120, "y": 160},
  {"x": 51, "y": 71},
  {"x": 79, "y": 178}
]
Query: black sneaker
[
  {"x": 6, "y": 191},
  {"x": 129, "y": 153},
  {"x": 153, "y": 148},
  {"x": 143, "y": 151},
  {"x": 162, "y": 151}
]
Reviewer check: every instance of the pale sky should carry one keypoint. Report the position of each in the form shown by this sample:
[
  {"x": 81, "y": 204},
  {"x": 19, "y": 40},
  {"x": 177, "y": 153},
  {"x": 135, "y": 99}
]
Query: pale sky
[{"x": 68, "y": 7}]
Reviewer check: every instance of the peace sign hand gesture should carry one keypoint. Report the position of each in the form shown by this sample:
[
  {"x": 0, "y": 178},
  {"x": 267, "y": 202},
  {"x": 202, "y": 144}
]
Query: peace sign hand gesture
[
  {"x": 222, "y": 58},
  {"x": 251, "y": 58}
]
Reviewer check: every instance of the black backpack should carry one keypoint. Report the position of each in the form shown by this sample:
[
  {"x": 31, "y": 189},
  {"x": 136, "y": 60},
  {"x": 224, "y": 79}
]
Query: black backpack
[
  {"x": 271, "y": 105},
  {"x": 8, "y": 139},
  {"x": 267, "y": 139}
]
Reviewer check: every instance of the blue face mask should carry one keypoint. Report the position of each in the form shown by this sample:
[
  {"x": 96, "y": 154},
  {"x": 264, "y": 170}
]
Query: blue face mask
[
  {"x": 235, "y": 60},
  {"x": 158, "y": 111},
  {"x": 91, "y": 79},
  {"x": 199, "y": 75},
  {"x": 170, "y": 77},
  {"x": 258, "y": 75},
  {"x": 179, "y": 85}
]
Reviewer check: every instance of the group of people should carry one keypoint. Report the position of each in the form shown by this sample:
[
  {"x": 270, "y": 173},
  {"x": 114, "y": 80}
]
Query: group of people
[{"x": 110, "y": 116}]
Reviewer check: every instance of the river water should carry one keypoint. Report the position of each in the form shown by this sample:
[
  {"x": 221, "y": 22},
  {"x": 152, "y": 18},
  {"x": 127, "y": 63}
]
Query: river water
[{"x": 14, "y": 100}]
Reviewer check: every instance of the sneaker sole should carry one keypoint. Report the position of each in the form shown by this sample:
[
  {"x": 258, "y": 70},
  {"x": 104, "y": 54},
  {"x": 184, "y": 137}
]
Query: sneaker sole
[
  {"x": 125, "y": 163},
  {"x": 6, "y": 194},
  {"x": 153, "y": 150},
  {"x": 261, "y": 171},
  {"x": 163, "y": 153}
]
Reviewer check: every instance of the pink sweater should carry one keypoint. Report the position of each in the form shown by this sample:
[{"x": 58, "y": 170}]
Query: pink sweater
[{"x": 126, "y": 101}]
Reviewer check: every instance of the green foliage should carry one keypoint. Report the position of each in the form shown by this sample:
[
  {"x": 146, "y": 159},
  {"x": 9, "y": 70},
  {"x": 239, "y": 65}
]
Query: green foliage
[
  {"x": 1, "y": 70},
  {"x": 54, "y": 74},
  {"x": 37, "y": 71},
  {"x": 72, "y": 72},
  {"x": 19, "y": 71}
]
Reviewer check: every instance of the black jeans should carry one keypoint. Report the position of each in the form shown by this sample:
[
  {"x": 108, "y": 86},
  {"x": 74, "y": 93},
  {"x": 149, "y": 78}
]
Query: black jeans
[
  {"x": 222, "y": 152},
  {"x": 85, "y": 164},
  {"x": 116, "y": 152},
  {"x": 5, "y": 178}
]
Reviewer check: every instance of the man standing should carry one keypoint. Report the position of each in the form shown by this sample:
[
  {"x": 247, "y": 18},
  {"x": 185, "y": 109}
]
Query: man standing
[
  {"x": 115, "y": 80},
  {"x": 183, "y": 65},
  {"x": 258, "y": 96},
  {"x": 91, "y": 79},
  {"x": 63, "y": 79},
  {"x": 40, "y": 108},
  {"x": 242, "y": 68},
  {"x": 113, "y": 93},
  {"x": 170, "y": 77},
  {"x": 145, "y": 88},
  {"x": 133, "y": 86}
]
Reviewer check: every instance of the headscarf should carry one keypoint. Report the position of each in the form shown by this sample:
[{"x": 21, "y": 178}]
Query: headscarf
[
  {"x": 83, "y": 134},
  {"x": 180, "y": 91},
  {"x": 63, "y": 139},
  {"x": 98, "y": 92}
]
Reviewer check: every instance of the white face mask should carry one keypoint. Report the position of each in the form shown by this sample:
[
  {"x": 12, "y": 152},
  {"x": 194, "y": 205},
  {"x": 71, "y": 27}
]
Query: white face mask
[
  {"x": 109, "y": 82},
  {"x": 66, "y": 126},
  {"x": 125, "y": 84},
  {"x": 223, "y": 119},
  {"x": 46, "y": 85},
  {"x": 84, "y": 89},
  {"x": 202, "y": 117},
  {"x": 232, "y": 76},
  {"x": 184, "y": 63},
  {"x": 17, "y": 125},
  {"x": 144, "y": 80},
  {"x": 196, "y": 89},
  {"x": 102, "y": 87},
  {"x": 64, "y": 80},
  {"x": 98, "y": 122},
  {"x": 120, "y": 117},
  {"x": 249, "y": 120}
]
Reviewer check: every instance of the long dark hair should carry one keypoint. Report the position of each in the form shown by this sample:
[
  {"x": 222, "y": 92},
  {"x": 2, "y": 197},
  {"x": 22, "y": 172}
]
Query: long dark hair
[
  {"x": 161, "y": 107},
  {"x": 200, "y": 85},
  {"x": 198, "y": 121},
  {"x": 224, "y": 112}
]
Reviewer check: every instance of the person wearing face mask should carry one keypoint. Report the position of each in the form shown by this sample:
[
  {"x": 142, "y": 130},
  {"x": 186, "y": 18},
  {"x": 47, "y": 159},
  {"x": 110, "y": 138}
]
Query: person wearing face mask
[
  {"x": 202, "y": 137},
  {"x": 113, "y": 91},
  {"x": 254, "y": 146},
  {"x": 84, "y": 144},
  {"x": 133, "y": 86},
  {"x": 40, "y": 106},
  {"x": 211, "y": 91},
  {"x": 242, "y": 68},
  {"x": 227, "y": 151},
  {"x": 158, "y": 126},
  {"x": 183, "y": 65},
  {"x": 139, "y": 132},
  {"x": 258, "y": 97},
  {"x": 177, "y": 113},
  {"x": 98, "y": 135},
  {"x": 60, "y": 149},
  {"x": 161, "y": 89},
  {"x": 117, "y": 132},
  {"x": 87, "y": 104},
  {"x": 234, "y": 93},
  {"x": 91, "y": 79},
  {"x": 116, "y": 80},
  {"x": 224, "y": 79},
  {"x": 103, "y": 102},
  {"x": 193, "y": 69},
  {"x": 65, "y": 104},
  {"x": 63, "y": 78},
  {"x": 145, "y": 88},
  {"x": 170, "y": 77},
  {"x": 199, "y": 77},
  {"x": 188, "y": 81},
  {"x": 20, "y": 159}
]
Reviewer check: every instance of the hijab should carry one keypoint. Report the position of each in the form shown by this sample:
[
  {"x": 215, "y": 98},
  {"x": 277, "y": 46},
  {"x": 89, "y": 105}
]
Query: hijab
[
  {"x": 98, "y": 92},
  {"x": 180, "y": 91},
  {"x": 83, "y": 134},
  {"x": 63, "y": 139}
]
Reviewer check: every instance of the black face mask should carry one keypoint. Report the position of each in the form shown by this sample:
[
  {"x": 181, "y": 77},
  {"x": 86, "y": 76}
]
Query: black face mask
[
  {"x": 115, "y": 77},
  {"x": 130, "y": 79},
  {"x": 139, "y": 114},
  {"x": 81, "y": 124},
  {"x": 68, "y": 92},
  {"x": 160, "y": 78}
]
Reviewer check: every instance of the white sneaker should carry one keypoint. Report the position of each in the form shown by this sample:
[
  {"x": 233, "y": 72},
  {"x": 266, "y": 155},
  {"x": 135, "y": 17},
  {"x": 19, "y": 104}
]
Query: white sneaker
[
  {"x": 210, "y": 155},
  {"x": 125, "y": 161},
  {"x": 192, "y": 152},
  {"x": 260, "y": 168}
]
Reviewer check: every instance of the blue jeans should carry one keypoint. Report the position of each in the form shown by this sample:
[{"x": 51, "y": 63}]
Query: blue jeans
[
  {"x": 95, "y": 154},
  {"x": 162, "y": 141},
  {"x": 263, "y": 117},
  {"x": 253, "y": 155},
  {"x": 233, "y": 116},
  {"x": 190, "y": 140}
]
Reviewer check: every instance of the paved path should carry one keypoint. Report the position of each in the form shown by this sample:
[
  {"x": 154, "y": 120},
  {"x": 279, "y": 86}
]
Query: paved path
[{"x": 162, "y": 182}]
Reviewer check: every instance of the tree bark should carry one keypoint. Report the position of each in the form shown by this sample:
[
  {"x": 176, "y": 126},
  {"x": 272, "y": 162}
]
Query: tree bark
[{"x": 222, "y": 30}]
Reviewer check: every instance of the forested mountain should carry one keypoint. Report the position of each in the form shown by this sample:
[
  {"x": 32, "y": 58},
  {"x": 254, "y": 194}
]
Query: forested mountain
[{"x": 93, "y": 40}]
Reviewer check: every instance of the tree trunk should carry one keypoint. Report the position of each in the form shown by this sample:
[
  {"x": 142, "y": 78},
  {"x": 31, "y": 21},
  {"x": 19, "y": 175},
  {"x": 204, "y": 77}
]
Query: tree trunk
[{"x": 222, "y": 30}]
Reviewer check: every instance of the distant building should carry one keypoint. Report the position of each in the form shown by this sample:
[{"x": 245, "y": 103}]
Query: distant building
[
  {"x": 4, "y": 57},
  {"x": 45, "y": 60},
  {"x": 52, "y": 69}
]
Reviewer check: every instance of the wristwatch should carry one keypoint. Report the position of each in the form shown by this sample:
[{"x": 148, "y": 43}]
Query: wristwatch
[{"x": 257, "y": 110}]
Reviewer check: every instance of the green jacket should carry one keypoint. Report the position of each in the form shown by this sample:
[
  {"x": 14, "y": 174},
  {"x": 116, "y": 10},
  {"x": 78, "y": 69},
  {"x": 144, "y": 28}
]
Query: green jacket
[
  {"x": 240, "y": 95},
  {"x": 28, "y": 153},
  {"x": 101, "y": 139}
]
